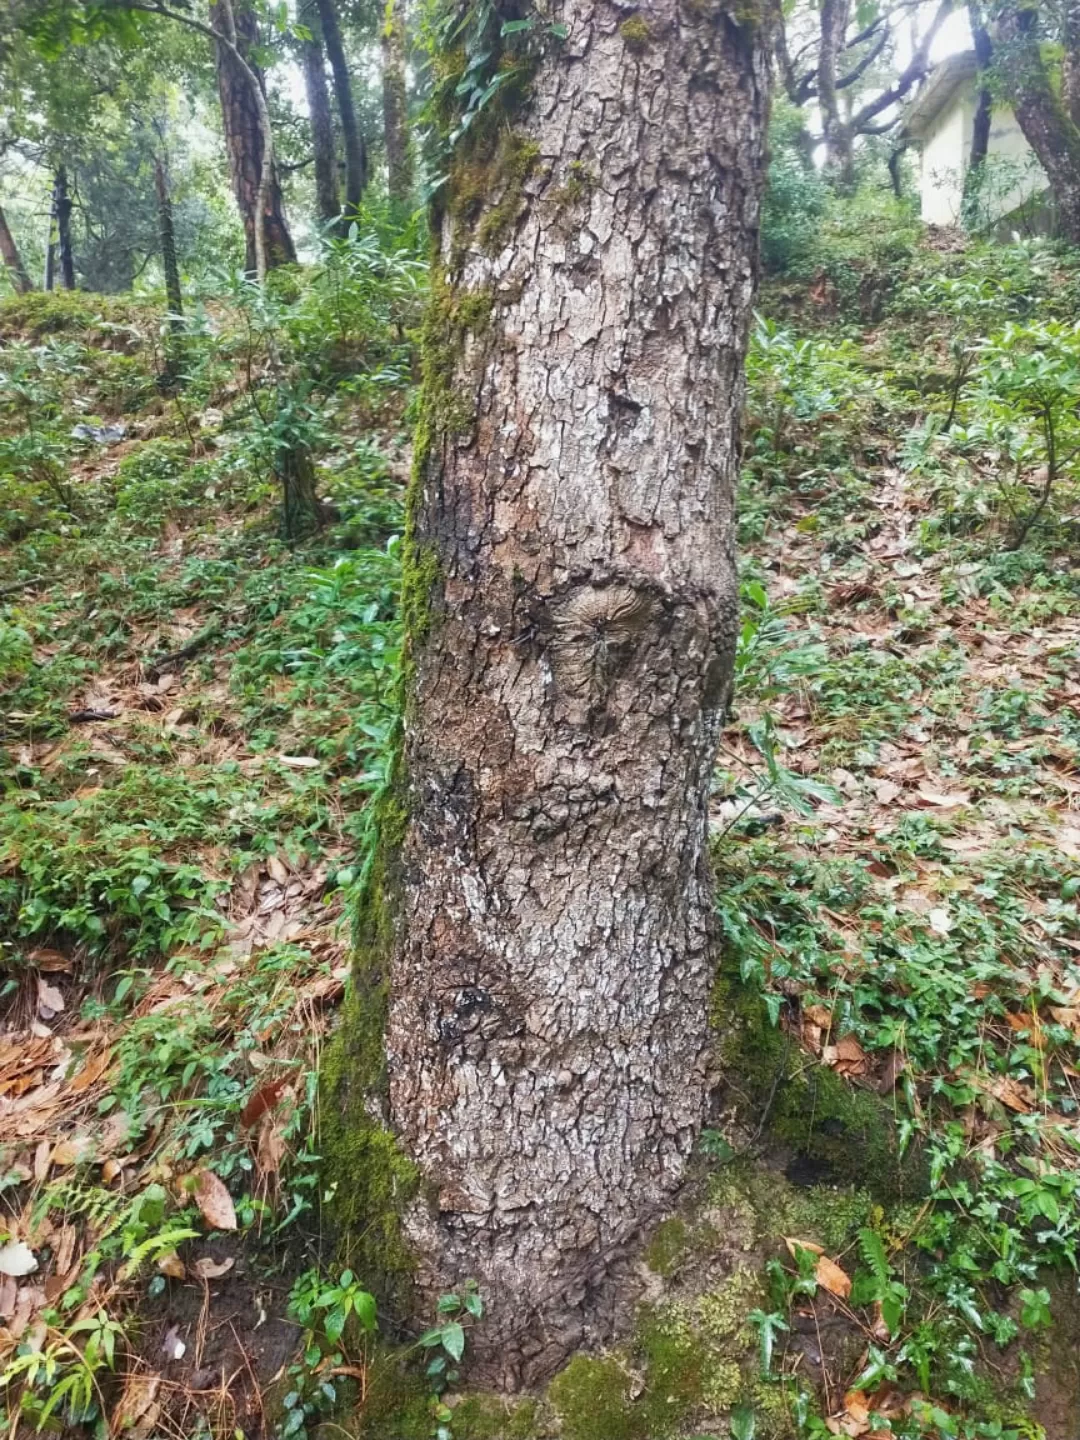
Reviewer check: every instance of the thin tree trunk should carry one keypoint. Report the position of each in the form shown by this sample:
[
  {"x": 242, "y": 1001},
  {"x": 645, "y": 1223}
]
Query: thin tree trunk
[
  {"x": 48, "y": 279},
  {"x": 246, "y": 124},
  {"x": 896, "y": 154},
  {"x": 537, "y": 919},
  {"x": 1041, "y": 114},
  {"x": 9, "y": 252},
  {"x": 1070, "y": 63},
  {"x": 356, "y": 163},
  {"x": 167, "y": 236},
  {"x": 327, "y": 199},
  {"x": 301, "y": 509},
  {"x": 984, "y": 110},
  {"x": 62, "y": 208},
  {"x": 396, "y": 107}
]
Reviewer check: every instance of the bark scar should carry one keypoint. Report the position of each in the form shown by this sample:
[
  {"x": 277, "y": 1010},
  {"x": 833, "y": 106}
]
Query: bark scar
[{"x": 593, "y": 629}]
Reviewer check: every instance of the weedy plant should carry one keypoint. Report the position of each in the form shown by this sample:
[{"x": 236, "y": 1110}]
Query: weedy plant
[
  {"x": 1025, "y": 417},
  {"x": 340, "y": 1323}
]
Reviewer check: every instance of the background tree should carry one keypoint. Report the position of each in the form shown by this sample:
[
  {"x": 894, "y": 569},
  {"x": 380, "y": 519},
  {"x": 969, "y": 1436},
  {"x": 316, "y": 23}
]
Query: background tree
[
  {"x": 167, "y": 231},
  {"x": 571, "y": 600},
  {"x": 395, "y": 99},
  {"x": 327, "y": 197},
  {"x": 248, "y": 138},
  {"x": 356, "y": 159},
  {"x": 9, "y": 253},
  {"x": 1042, "y": 99},
  {"x": 843, "y": 58}
]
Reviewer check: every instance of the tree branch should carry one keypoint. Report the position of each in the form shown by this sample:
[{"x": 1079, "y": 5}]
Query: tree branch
[
  {"x": 864, "y": 64},
  {"x": 916, "y": 69}
]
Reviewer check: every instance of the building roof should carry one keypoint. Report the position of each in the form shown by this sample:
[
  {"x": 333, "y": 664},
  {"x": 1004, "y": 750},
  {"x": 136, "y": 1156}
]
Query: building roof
[{"x": 945, "y": 79}]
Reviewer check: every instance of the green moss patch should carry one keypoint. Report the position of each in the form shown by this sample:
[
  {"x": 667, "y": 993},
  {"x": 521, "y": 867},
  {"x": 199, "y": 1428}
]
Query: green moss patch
[{"x": 636, "y": 34}]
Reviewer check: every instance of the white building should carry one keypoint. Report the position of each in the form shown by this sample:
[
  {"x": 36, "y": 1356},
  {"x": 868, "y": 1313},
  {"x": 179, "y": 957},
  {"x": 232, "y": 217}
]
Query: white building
[{"x": 940, "y": 120}]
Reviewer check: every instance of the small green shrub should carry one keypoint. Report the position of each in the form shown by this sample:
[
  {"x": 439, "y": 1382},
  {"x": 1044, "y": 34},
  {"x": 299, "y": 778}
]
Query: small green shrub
[{"x": 157, "y": 480}]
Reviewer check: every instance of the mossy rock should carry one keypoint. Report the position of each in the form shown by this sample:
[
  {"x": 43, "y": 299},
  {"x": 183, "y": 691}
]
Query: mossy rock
[
  {"x": 51, "y": 312},
  {"x": 397, "y": 1402},
  {"x": 593, "y": 1399},
  {"x": 495, "y": 1417}
]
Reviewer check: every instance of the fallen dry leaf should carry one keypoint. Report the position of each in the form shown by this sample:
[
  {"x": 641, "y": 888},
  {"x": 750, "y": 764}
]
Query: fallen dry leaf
[
  {"x": 794, "y": 1246},
  {"x": 52, "y": 961},
  {"x": 857, "y": 1405},
  {"x": 65, "y": 1249},
  {"x": 49, "y": 1000},
  {"x": 299, "y": 762},
  {"x": 264, "y": 1099},
  {"x": 208, "y": 1269},
  {"x": 271, "y": 1148},
  {"x": 92, "y": 1070},
  {"x": 944, "y": 801},
  {"x": 137, "y": 1399},
  {"x": 170, "y": 1264},
  {"x": 1011, "y": 1093},
  {"x": 73, "y": 1151},
  {"x": 846, "y": 1057},
  {"x": 28, "y": 1302},
  {"x": 214, "y": 1201},
  {"x": 894, "y": 1068},
  {"x": 830, "y": 1277}
]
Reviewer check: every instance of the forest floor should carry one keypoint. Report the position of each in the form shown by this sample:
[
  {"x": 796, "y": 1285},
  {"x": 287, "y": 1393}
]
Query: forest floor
[{"x": 195, "y": 714}]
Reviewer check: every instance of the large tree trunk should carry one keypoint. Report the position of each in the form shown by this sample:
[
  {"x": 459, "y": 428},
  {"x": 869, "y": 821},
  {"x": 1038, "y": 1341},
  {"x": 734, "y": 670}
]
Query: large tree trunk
[
  {"x": 244, "y": 141},
  {"x": 538, "y": 919},
  {"x": 356, "y": 162},
  {"x": 396, "y": 107},
  {"x": 327, "y": 199},
  {"x": 62, "y": 208},
  {"x": 1041, "y": 113},
  {"x": 9, "y": 253}
]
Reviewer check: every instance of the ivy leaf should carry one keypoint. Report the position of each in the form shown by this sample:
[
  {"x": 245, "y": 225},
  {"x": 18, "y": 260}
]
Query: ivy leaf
[
  {"x": 364, "y": 1310},
  {"x": 453, "y": 1339}
]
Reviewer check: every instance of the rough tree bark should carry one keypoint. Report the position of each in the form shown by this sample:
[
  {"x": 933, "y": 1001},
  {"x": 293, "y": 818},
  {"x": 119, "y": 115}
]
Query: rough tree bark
[
  {"x": 537, "y": 919},
  {"x": 244, "y": 141},
  {"x": 327, "y": 198},
  {"x": 1041, "y": 112},
  {"x": 62, "y": 207},
  {"x": 9, "y": 253},
  {"x": 356, "y": 161},
  {"x": 396, "y": 106}
]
